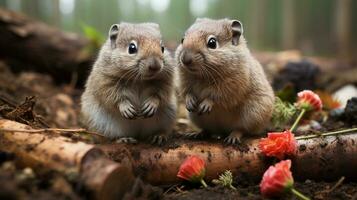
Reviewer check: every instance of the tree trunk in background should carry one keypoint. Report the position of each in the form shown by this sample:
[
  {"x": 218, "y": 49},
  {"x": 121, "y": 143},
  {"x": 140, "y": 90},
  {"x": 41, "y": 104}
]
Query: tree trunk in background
[
  {"x": 180, "y": 13},
  {"x": 288, "y": 24},
  {"x": 56, "y": 14},
  {"x": 81, "y": 12},
  {"x": 258, "y": 22},
  {"x": 343, "y": 30},
  {"x": 27, "y": 44},
  {"x": 109, "y": 18}
]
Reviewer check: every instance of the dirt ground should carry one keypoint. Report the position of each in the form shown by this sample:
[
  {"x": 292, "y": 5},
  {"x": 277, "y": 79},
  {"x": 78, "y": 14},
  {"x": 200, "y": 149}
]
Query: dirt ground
[{"x": 46, "y": 104}]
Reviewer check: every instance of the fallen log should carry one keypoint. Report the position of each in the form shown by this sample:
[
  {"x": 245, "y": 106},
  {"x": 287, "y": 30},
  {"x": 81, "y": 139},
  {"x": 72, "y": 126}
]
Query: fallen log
[
  {"x": 27, "y": 44},
  {"x": 102, "y": 177},
  {"x": 326, "y": 158}
]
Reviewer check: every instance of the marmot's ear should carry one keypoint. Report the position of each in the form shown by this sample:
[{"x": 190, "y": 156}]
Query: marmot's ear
[
  {"x": 237, "y": 31},
  {"x": 113, "y": 34}
]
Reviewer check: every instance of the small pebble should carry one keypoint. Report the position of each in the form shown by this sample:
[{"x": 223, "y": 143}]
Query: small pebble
[
  {"x": 8, "y": 166},
  {"x": 303, "y": 128},
  {"x": 28, "y": 172},
  {"x": 315, "y": 125}
]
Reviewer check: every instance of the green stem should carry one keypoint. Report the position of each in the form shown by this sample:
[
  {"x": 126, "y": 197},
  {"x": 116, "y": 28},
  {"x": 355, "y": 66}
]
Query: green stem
[
  {"x": 298, "y": 194},
  {"x": 203, "y": 183},
  {"x": 232, "y": 187},
  {"x": 297, "y": 120},
  {"x": 325, "y": 134}
]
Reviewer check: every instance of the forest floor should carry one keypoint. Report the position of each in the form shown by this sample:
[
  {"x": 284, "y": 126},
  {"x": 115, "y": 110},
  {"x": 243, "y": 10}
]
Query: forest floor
[{"x": 57, "y": 105}]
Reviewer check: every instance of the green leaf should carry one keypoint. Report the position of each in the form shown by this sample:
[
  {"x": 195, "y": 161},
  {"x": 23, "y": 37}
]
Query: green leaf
[{"x": 95, "y": 37}]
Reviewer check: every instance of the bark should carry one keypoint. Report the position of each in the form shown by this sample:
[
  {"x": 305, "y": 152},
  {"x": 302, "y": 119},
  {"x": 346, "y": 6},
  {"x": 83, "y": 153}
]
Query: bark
[
  {"x": 326, "y": 159},
  {"x": 28, "y": 44},
  {"x": 102, "y": 177}
]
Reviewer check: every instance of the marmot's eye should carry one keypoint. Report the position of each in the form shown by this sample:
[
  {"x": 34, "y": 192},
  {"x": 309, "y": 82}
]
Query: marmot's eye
[
  {"x": 132, "y": 48},
  {"x": 212, "y": 43}
]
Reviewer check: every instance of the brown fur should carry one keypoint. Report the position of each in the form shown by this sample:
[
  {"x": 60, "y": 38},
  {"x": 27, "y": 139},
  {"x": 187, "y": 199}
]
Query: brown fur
[
  {"x": 228, "y": 78},
  {"x": 119, "y": 82}
]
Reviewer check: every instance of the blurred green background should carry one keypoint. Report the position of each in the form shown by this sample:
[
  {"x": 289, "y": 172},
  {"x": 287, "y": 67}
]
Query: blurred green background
[{"x": 316, "y": 27}]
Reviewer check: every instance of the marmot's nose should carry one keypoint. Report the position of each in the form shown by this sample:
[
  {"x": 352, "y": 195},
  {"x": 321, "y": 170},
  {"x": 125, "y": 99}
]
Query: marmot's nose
[
  {"x": 154, "y": 68},
  {"x": 154, "y": 65},
  {"x": 187, "y": 58}
]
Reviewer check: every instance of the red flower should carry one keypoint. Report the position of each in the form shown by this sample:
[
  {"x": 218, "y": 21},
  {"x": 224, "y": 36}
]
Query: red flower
[
  {"x": 278, "y": 144},
  {"x": 309, "y": 100},
  {"x": 277, "y": 179},
  {"x": 192, "y": 169}
]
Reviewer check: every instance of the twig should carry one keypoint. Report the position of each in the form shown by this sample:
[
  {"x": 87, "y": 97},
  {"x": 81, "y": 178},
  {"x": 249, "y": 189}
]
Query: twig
[
  {"x": 327, "y": 191},
  {"x": 50, "y": 130},
  {"x": 339, "y": 182},
  {"x": 171, "y": 188},
  {"x": 178, "y": 189},
  {"x": 304, "y": 137},
  {"x": 6, "y": 100},
  {"x": 42, "y": 120}
]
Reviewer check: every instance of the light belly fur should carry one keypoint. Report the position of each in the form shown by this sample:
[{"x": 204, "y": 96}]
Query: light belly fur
[{"x": 113, "y": 125}]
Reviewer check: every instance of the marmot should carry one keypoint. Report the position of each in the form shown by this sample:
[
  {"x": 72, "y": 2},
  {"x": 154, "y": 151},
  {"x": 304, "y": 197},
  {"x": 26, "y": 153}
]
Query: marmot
[
  {"x": 225, "y": 87},
  {"x": 129, "y": 93}
]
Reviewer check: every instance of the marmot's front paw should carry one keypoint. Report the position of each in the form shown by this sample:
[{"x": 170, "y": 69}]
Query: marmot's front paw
[
  {"x": 159, "y": 140},
  {"x": 196, "y": 135},
  {"x": 150, "y": 107},
  {"x": 127, "y": 110},
  {"x": 191, "y": 103},
  {"x": 205, "y": 106},
  {"x": 234, "y": 138}
]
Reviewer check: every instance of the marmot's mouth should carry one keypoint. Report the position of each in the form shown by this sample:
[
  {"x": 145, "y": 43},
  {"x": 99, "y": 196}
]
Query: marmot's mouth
[
  {"x": 149, "y": 76},
  {"x": 190, "y": 69}
]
